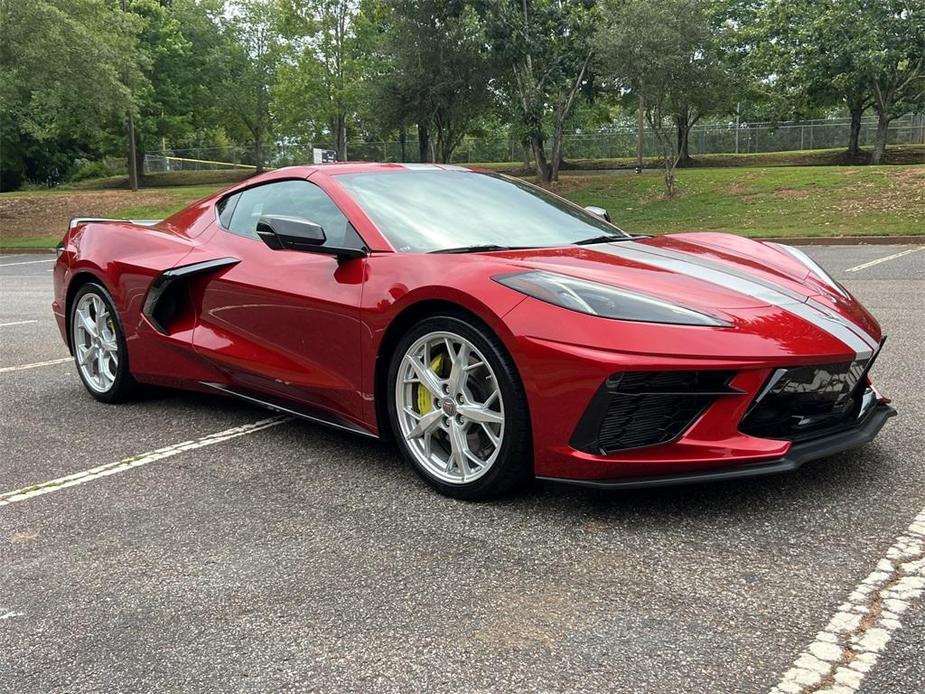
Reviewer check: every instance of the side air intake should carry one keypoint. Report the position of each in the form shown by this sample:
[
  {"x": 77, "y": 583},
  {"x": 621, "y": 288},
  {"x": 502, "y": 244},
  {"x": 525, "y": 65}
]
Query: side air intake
[{"x": 636, "y": 409}]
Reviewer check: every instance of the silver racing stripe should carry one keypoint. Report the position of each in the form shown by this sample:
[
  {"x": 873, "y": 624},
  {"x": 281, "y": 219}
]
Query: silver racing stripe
[
  {"x": 770, "y": 284},
  {"x": 768, "y": 292}
]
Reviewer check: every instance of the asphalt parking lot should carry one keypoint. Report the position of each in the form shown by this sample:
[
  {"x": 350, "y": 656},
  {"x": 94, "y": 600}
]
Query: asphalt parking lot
[{"x": 298, "y": 558}]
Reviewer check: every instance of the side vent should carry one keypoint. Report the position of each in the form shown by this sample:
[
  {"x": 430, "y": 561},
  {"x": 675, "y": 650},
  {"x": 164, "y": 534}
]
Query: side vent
[
  {"x": 636, "y": 409},
  {"x": 167, "y": 295}
]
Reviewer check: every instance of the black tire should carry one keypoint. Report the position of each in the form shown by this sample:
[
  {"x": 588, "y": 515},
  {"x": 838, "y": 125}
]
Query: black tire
[
  {"x": 123, "y": 386},
  {"x": 513, "y": 467}
]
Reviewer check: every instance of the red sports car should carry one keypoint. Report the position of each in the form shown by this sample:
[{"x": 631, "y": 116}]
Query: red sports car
[{"x": 496, "y": 331}]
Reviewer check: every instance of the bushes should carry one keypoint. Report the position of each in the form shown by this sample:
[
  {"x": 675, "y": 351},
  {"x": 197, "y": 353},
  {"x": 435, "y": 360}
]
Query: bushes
[{"x": 85, "y": 168}]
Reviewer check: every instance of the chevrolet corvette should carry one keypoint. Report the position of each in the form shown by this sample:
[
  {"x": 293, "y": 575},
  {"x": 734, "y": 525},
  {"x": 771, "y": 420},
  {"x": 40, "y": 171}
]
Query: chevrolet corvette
[{"x": 495, "y": 331}]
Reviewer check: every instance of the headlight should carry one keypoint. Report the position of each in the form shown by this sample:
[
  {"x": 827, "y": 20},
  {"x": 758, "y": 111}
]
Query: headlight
[
  {"x": 603, "y": 300},
  {"x": 813, "y": 267}
]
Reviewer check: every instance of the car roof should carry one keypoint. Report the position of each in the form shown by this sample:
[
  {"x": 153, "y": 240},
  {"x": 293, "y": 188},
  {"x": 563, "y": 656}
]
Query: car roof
[{"x": 350, "y": 167}]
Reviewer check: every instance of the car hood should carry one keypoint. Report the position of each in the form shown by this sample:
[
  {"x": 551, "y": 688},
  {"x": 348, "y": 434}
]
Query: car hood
[{"x": 707, "y": 271}]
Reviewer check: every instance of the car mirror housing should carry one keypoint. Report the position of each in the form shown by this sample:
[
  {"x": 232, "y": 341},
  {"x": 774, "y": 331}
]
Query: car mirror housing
[
  {"x": 598, "y": 212},
  {"x": 294, "y": 233},
  {"x": 280, "y": 232}
]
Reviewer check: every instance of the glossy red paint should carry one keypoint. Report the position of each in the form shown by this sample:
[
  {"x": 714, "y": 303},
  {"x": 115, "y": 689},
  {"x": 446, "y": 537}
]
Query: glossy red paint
[{"x": 314, "y": 331}]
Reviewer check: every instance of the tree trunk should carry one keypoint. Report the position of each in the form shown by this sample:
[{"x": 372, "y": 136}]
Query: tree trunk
[
  {"x": 543, "y": 169},
  {"x": 440, "y": 147},
  {"x": 140, "y": 162},
  {"x": 555, "y": 160},
  {"x": 684, "y": 129},
  {"x": 423, "y": 143},
  {"x": 854, "y": 149},
  {"x": 669, "y": 180},
  {"x": 258, "y": 151},
  {"x": 402, "y": 138},
  {"x": 883, "y": 124},
  {"x": 339, "y": 126}
]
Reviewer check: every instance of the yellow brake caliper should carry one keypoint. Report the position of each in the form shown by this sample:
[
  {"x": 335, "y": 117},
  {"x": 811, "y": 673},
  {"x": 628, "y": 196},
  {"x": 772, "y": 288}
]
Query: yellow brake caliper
[{"x": 425, "y": 400}]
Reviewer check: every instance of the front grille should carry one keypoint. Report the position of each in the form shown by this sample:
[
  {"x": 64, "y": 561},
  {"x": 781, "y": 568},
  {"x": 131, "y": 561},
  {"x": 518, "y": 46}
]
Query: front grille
[
  {"x": 808, "y": 401},
  {"x": 647, "y": 408}
]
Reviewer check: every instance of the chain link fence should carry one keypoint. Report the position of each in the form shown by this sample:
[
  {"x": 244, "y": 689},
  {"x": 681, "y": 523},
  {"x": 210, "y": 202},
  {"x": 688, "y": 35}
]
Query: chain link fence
[{"x": 614, "y": 143}]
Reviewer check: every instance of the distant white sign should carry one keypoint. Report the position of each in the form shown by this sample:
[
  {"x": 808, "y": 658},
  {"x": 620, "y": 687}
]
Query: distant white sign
[{"x": 323, "y": 156}]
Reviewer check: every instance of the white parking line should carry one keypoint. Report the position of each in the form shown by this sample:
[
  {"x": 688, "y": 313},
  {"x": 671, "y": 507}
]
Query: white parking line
[
  {"x": 18, "y": 322},
  {"x": 849, "y": 646},
  {"x": 137, "y": 461},
  {"x": 21, "y": 367},
  {"x": 864, "y": 266},
  {"x": 28, "y": 262},
  {"x": 9, "y": 615}
]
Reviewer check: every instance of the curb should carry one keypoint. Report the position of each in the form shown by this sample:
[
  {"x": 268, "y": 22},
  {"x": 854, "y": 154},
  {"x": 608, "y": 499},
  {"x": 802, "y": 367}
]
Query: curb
[
  {"x": 914, "y": 240},
  {"x": 25, "y": 251}
]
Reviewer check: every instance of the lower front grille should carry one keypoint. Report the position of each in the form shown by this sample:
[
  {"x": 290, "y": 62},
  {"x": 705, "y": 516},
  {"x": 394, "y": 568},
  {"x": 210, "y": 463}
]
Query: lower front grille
[
  {"x": 647, "y": 408},
  {"x": 808, "y": 401}
]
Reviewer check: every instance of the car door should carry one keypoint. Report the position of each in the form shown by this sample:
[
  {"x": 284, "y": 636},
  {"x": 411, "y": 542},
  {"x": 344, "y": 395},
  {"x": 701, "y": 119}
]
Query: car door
[{"x": 284, "y": 324}]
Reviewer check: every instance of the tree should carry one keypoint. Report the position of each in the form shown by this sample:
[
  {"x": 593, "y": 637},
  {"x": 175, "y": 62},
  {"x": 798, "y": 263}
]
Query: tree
[
  {"x": 857, "y": 53},
  {"x": 543, "y": 50},
  {"x": 435, "y": 70},
  {"x": 892, "y": 53},
  {"x": 66, "y": 78},
  {"x": 327, "y": 59},
  {"x": 250, "y": 55},
  {"x": 177, "y": 101},
  {"x": 665, "y": 53}
]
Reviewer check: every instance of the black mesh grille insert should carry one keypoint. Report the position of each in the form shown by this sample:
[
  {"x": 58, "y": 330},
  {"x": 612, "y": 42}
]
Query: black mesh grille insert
[
  {"x": 633, "y": 421},
  {"x": 808, "y": 401},
  {"x": 647, "y": 408}
]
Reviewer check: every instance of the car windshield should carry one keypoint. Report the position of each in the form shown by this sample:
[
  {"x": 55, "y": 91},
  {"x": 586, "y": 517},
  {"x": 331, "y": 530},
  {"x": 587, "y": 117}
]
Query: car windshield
[{"x": 426, "y": 211}]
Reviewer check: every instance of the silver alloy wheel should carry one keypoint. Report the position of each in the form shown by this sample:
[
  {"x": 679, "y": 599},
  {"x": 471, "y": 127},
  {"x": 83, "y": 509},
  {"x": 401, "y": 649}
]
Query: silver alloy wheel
[
  {"x": 96, "y": 346},
  {"x": 450, "y": 409}
]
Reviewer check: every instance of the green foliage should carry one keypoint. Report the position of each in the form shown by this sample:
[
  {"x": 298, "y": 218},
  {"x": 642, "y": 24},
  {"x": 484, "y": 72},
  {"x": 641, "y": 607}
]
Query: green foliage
[
  {"x": 262, "y": 73},
  {"x": 178, "y": 46},
  {"x": 433, "y": 71},
  {"x": 667, "y": 54},
  {"x": 249, "y": 56},
  {"x": 542, "y": 51},
  {"x": 321, "y": 84},
  {"x": 65, "y": 81},
  {"x": 855, "y": 53}
]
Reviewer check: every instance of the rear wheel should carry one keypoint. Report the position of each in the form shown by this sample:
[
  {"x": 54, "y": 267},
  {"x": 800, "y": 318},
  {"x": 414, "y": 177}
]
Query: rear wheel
[
  {"x": 99, "y": 345},
  {"x": 458, "y": 410}
]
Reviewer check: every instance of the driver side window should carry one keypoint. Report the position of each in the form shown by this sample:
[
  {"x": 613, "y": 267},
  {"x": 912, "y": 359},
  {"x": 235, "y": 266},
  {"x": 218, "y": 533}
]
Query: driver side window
[{"x": 240, "y": 213}]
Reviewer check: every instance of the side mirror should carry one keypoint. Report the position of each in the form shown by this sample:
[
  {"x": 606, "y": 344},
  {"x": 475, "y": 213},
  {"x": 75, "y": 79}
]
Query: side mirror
[
  {"x": 598, "y": 212},
  {"x": 280, "y": 232}
]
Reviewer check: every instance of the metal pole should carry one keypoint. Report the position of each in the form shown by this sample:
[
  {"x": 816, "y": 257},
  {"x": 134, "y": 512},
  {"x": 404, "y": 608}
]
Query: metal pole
[
  {"x": 737, "y": 126},
  {"x": 640, "y": 134},
  {"x": 132, "y": 154}
]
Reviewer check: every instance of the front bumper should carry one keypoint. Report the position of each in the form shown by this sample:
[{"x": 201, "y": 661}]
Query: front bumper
[{"x": 796, "y": 456}]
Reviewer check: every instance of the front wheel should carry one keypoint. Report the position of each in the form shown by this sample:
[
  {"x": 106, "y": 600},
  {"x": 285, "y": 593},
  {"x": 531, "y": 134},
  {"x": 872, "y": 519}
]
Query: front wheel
[
  {"x": 99, "y": 345},
  {"x": 458, "y": 410}
]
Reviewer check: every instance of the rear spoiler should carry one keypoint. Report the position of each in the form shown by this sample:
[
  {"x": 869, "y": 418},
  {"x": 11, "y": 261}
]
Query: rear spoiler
[{"x": 75, "y": 221}]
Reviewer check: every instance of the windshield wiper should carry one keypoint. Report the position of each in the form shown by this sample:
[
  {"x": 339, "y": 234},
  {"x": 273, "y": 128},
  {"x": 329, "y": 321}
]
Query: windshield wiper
[
  {"x": 602, "y": 239},
  {"x": 474, "y": 249}
]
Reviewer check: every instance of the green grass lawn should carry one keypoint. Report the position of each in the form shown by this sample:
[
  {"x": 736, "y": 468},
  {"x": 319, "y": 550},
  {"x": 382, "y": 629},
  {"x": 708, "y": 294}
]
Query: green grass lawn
[
  {"x": 760, "y": 202},
  {"x": 179, "y": 198},
  {"x": 778, "y": 201}
]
